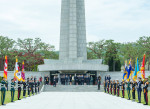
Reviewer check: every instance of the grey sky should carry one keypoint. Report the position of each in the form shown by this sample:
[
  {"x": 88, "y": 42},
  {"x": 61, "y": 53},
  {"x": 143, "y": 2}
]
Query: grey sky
[{"x": 121, "y": 20}]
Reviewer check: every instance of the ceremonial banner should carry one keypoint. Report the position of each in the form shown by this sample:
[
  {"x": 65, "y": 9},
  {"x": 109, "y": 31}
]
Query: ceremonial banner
[
  {"x": 143, "y": 68},
  {"x": 23, "y": 73},
  {"x": 5, "y": 68},
  {"x": 17, "y": 73},
  {"x": 129, "y": 71},
  {"x": 125, "y": 71},
  {"x": 136, "y": 70}
]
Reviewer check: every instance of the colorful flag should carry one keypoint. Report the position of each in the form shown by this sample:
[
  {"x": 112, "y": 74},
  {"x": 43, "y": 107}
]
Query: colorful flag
[
  {"x": 143, "y": 68},
  {"x": 5, "y": 68},
  {"x": 23, "y": 73},
  {"x": 17, "y": 73},
  {"x": 129, "y": 71},
  {"x": 125, "y": 71},
  {"x": 136, "y": 70}
]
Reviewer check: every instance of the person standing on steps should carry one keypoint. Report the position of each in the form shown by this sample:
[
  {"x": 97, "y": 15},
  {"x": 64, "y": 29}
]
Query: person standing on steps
[
  {"x": 99, "y": 82},
  {"x": 70, "y": 80}
]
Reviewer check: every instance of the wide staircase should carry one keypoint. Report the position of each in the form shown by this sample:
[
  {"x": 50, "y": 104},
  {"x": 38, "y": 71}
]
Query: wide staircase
[{"x": 72, "y": 88}]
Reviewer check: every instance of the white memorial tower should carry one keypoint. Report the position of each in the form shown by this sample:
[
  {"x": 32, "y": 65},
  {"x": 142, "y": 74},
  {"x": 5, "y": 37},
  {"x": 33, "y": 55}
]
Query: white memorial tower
[{"x": 73, "y": 51}]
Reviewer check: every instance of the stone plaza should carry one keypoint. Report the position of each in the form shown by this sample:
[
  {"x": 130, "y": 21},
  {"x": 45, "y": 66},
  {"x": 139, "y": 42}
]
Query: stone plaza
[{"x": 74, "y": 100}]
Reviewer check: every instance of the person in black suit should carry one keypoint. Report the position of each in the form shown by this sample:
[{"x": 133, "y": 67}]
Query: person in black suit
[
  {"x": 54, "y": 84},
  {"x": 99, "y": 82},
  {"x": 70, "y": 80},
  {"x": 66, "y": 79},
  {"x": 139, "y": 89}
]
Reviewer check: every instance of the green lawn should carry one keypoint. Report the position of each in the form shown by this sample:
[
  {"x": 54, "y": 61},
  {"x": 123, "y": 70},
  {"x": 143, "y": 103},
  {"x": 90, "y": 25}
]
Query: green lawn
[
  {"x": 8, "y": 96},
  {"x": 136, "y": 95}
]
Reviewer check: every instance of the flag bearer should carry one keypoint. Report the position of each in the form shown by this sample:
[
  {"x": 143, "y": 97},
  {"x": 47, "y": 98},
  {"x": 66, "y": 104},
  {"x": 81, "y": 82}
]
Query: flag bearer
[
  {"x": 128, "y": 90},
  {"x": 118, "y": 88},
  {"x": 19, "y": 89},
  {"x": 123, "y": 88},
  {"x": 145, "y": 90},
  {"x": 139, "y": 89},
  {"x": 133, "y": 89},
  {"x": 12, "y": 90},
  {"x": 114, "y": 87},
  {"x": 3, "y": 90},
  {"x": 111, "y": 86},
  {"x": 24, "y": 88}
]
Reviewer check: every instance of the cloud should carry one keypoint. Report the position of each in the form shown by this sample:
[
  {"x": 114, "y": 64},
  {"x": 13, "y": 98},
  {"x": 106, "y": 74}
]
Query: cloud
[{"x": 121, "y": 20}]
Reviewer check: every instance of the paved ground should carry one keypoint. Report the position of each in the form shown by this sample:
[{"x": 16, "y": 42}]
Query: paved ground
[{"x": 74, "y": 100}]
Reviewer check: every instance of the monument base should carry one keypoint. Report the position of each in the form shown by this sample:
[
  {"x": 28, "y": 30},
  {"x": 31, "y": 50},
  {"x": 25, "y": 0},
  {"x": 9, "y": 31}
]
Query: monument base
[{"x": 73, "y": 65}]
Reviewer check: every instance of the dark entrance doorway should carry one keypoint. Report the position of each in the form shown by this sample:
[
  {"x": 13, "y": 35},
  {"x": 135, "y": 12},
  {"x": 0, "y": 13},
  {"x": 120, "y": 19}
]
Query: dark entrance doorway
[
  {"x": 52, "y": 75},
  {"x": 93, "y": 77}
]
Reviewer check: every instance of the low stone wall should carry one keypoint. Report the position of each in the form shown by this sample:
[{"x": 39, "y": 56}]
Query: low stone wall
[
  {"x": 114, "y": 75},
  {"x": 118, "y": 75}
]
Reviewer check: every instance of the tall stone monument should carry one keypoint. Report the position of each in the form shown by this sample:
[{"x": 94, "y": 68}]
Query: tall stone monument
[
  {"x": 73, "y": 32},
  {"x": 73, "y": 51}
]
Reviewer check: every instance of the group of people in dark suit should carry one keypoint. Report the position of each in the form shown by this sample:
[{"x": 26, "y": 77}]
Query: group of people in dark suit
[
  {"x": 75, "y": 80},
  {"x": 31, "y": 85},
  {"x": 113, "y": 87}
]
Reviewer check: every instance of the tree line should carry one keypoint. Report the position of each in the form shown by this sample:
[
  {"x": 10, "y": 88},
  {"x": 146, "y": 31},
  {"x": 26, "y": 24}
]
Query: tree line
[
  {"x": 33, "y": 51},
  {"x": 114, "y": 54}
]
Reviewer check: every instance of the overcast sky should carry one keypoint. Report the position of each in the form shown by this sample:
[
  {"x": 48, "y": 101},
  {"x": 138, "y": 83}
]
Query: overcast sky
[{"x": 121, "y": 20}]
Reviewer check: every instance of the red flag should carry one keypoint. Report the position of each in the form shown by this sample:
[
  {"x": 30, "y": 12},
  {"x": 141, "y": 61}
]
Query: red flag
[
  {"x": 5, "y": 68},
  {"x": 143, "y": 68}
]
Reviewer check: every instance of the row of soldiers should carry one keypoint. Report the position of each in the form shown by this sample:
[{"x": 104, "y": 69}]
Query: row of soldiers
[
  {"x": 113, "y": 87},
  {"x": 31, "y": 86}
]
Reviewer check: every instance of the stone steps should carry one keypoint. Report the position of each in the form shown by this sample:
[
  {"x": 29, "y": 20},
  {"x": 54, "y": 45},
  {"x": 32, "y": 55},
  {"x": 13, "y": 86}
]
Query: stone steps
[{"x": 72, "y": 88}]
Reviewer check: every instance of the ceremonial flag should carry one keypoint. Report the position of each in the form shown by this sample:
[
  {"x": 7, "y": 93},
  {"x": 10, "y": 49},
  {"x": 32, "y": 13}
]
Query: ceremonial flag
[
  {"x": 17, "y": 73},
  {"x": 5, "y": 68},
  {"x": 125, "y": 71},
  {"x": 23, "y": 73},
  {"x": 129, "y": 71},
  {"x": 136, "y": 70},
  {"x": 143, "y": 68}
]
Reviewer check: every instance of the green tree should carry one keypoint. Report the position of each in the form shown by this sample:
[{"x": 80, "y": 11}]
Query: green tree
[
  {"x": 111, "y": 57},
  {"x": 6, "y": 45},
  {"x": 144, "y": 46}
]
